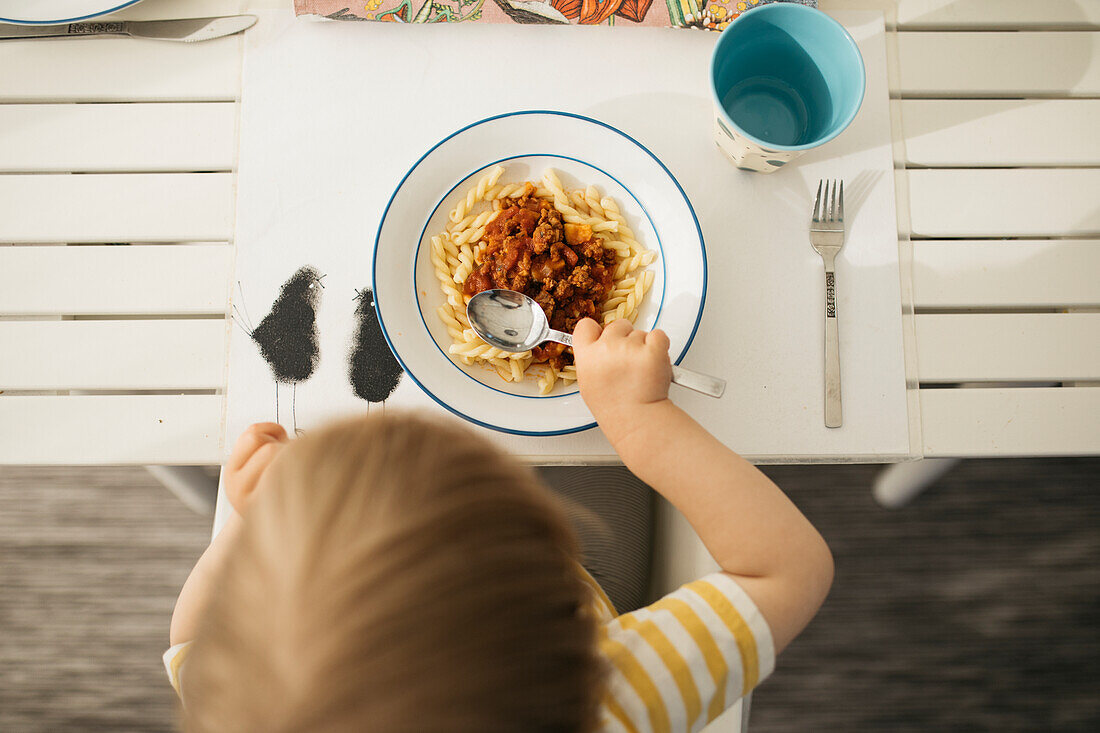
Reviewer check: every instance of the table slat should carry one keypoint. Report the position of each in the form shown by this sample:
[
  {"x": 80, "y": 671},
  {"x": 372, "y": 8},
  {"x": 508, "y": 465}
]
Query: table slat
[
  {"x": 999, "y": 64},
  {"x": 1006, "y": 274},
  {"x": 186, "y": 279},
  {"x": 991, "y": 14},
  {"x": 1008, "y": 347},
  {"x": 960, "y": 132},
  {"x": 101, "y": 429},
  {"x": 119, "y": 70},
  {"x": 115, "y": 355},
  {"x": 1006, "y": 202},
  {"x": 107, "y": 207},
  {"x": 43, "y": 138},
  {"x": 1023, "y": 421}
]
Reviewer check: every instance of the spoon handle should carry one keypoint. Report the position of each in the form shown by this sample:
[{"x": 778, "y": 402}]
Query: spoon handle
[
  {"x": 560, "y": 336},
  {"x": 703, "y": 383}
]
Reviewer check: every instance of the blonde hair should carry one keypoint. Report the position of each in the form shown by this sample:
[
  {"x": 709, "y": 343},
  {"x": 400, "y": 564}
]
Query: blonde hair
[{"x": 394, "y": 574}]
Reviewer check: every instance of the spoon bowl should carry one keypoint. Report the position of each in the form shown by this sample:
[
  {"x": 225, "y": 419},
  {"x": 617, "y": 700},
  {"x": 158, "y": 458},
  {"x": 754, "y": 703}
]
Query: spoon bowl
[{"x": 508, "y": 320}]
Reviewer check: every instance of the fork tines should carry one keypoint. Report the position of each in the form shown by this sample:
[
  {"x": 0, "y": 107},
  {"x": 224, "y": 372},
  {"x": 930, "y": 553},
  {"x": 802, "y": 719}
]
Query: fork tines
[{"x": 829, "y": 204}]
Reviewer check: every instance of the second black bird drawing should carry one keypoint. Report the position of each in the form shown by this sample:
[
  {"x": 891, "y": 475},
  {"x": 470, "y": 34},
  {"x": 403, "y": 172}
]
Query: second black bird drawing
[{"x": 373, "y": 371}]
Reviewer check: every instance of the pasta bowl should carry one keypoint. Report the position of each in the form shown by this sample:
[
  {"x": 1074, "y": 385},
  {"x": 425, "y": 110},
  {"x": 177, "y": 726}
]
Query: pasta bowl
[
  {"x": 646, "y": 211},
  {"x": 57, "y": 12}
]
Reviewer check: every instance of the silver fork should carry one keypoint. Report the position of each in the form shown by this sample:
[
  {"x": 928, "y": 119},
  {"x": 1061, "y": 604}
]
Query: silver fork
[{"x": 827, "y": 237}]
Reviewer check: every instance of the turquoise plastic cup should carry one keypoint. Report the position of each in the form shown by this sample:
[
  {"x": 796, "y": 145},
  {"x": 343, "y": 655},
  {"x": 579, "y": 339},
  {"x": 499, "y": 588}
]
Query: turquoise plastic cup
[{"x": 784, "y": 78}]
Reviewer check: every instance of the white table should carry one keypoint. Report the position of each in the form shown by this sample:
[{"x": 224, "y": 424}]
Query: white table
[{"x": 116, "y": 354}]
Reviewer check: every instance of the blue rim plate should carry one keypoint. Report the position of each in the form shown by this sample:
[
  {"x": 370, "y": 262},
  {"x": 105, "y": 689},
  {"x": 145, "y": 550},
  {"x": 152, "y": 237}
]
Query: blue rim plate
[
  {"x": 57, "y": 12},
  {"x": 583, "y": 151}
]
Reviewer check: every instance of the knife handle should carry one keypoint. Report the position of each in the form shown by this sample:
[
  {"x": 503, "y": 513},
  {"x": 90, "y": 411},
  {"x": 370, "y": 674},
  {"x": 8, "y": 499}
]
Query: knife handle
[
  {"x": 94, "y": 29},
  {"x": 116, "y": 27}
]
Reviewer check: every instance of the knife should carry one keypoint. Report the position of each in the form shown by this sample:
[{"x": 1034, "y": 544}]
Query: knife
[{"x": 187, "y": 30}]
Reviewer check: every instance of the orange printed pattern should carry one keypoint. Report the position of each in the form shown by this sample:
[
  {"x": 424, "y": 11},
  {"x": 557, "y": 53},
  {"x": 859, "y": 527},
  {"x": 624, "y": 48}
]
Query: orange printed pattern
[{"x": 704, "y": 14}]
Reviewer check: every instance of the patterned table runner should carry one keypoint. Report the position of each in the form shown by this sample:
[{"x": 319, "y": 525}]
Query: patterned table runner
[{"x": 706, "y": 14}]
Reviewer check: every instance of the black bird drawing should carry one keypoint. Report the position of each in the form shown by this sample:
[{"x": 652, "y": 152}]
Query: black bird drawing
[
  {"x": 372, "y": 369},
  {"x": 287, "y": 336}
]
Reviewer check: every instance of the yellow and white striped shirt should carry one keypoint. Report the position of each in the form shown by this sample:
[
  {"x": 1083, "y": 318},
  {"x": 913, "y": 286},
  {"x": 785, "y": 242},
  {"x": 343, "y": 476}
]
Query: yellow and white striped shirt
[{"x": 675, "y": 665}]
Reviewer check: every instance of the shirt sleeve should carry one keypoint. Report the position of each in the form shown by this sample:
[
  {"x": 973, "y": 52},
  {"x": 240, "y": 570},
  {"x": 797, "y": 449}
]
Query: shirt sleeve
[
  {"x": 173, "y": 663},
  {"x": 677, "y": 664}
]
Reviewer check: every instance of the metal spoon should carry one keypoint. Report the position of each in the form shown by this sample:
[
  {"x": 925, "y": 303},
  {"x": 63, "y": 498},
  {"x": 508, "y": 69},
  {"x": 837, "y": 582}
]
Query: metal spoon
[{"x": 513, "y": 322}]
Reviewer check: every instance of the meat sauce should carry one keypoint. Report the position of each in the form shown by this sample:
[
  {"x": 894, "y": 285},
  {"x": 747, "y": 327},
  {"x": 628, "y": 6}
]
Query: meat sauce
[{"x": 562, "y": 266}]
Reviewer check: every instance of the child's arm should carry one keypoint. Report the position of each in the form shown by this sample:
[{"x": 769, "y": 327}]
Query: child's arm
[
  {"x": 746, "y": 522},
  {"x": 253, "y": 453}
]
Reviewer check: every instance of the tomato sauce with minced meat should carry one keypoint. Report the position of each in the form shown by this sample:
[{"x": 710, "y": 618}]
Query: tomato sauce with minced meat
[{"x": 564, "y": 267}]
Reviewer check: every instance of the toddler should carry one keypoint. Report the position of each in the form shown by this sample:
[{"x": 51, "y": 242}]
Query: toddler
[{"x": 394, "y": 573}]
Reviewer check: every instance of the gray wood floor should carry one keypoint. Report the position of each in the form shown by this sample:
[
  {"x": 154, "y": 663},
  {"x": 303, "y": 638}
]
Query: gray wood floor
[
  {"x": 976, "y": 608},
  {"x": 91, "y": 561}
]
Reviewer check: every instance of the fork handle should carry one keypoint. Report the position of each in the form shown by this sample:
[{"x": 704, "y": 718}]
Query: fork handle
[{"x": 833, "y": 414}]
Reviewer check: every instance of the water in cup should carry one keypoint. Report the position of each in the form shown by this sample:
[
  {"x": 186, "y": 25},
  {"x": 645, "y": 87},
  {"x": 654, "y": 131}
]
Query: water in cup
[{"x": 775, "y": 111}]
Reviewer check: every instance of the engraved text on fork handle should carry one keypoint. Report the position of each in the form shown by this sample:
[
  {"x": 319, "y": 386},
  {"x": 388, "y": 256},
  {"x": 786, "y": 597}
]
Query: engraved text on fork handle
[{"x": 833, "y": 413}]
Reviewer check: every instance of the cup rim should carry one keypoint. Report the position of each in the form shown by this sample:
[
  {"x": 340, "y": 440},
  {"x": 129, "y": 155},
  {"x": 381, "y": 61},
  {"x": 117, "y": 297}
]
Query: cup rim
[{"x": 787, "y": 8}]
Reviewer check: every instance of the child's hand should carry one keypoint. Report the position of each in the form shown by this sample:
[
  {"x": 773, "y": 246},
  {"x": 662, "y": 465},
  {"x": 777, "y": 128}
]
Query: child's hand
[
  {"x": 253, "y": 453},
  {"x": 620, "y": 367}
]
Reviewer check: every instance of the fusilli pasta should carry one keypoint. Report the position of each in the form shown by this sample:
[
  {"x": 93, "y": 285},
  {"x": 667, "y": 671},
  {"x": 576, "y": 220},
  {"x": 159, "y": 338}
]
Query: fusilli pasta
[{"x": 456, "y": 251}]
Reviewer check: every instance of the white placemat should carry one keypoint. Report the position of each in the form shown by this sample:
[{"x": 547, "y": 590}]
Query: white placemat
[{"x": 334, "y": 114}]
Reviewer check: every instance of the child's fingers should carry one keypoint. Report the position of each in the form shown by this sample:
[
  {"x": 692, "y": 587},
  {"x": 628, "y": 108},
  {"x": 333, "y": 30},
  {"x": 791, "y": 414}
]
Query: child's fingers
[
  {"x": 274, "y": 429},
  {"x": 245, "y": 446},
  {"x": 618, "y": 329},
  {"x": 586, "y": 332},
  {"x": 658, "y": 339},
  {"x": 249, "y": 475},
  {"x": 256, "y": 436},
  {"x": 637, "y": 337}
]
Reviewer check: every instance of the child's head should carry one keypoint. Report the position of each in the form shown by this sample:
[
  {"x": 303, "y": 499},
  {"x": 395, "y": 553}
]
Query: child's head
[{"x": 397, "y": 575}]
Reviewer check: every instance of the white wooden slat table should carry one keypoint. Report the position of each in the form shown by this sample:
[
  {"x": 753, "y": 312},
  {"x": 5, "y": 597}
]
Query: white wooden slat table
[
  {"x": 1018, "y": 202},
  {"x": 85, "y": 429},
  {"x": 958, "y": 274},
  {"x": 1016, "y": 347},
  {"x": 84, "y": 354},
  {"x": 47, "y": 280},
  {"x": 959, "y": 133},
  {"x": 123, "y": 70},
  {"x": 160, "y": 207},
  {"x": 125, "y": 138},
  {"x": 116, "y": 226},
  {"x": 998, "y": 14},
  {"x": 1034, "y": 64}
]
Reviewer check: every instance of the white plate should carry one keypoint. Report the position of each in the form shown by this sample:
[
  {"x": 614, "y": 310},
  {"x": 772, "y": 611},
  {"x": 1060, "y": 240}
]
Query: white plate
[
  {"x": 55, "y": 12},
  {"x": 582, "y": 150}
]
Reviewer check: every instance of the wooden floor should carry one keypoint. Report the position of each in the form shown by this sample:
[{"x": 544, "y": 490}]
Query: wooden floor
[
  {"x": 976, "y": 608},
  {"x": 91, "y": 561}
]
